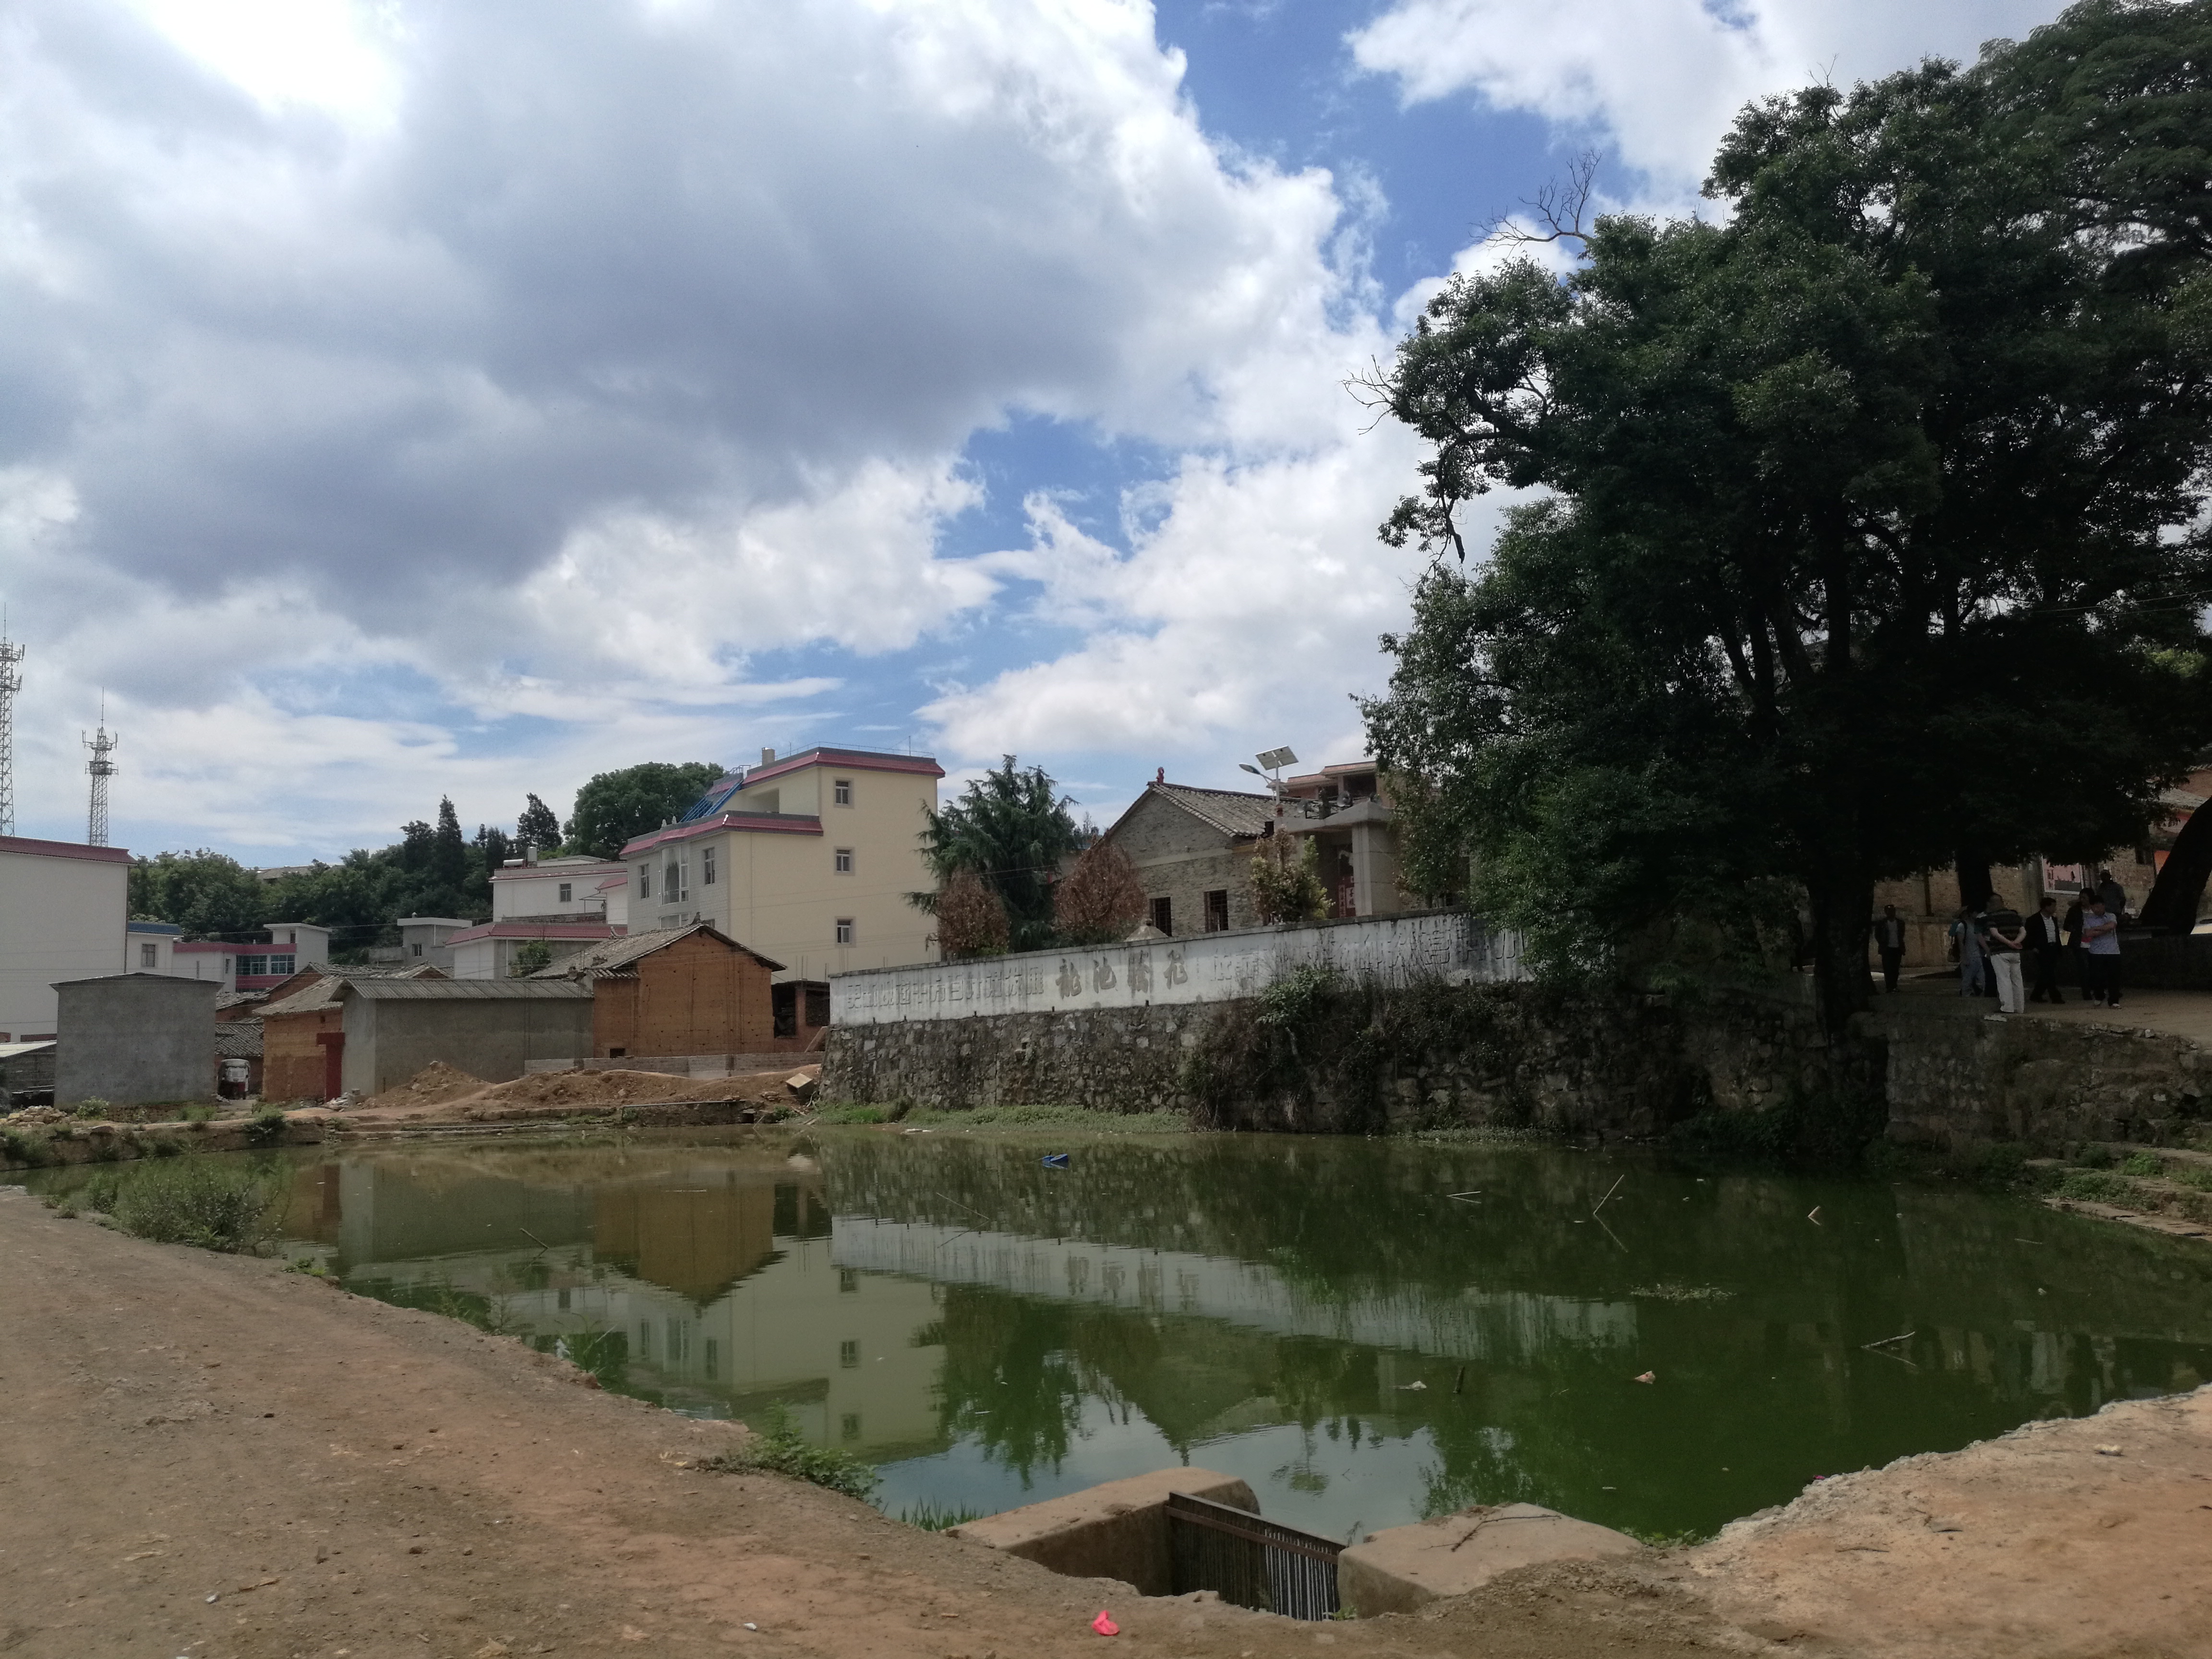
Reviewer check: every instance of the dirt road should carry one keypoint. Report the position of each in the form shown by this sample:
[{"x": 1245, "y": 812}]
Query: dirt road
[{"x": 206, "y": 1456}]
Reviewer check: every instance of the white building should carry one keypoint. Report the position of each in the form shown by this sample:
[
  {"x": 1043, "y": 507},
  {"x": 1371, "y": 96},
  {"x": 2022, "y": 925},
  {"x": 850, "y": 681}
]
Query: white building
[
  {"x": 246, "y": 964},
  {"x": 63, "y": 912},
  {"x": 571, "y": 889},
  {"x": 423, "y": 941},
  {"x": 151, "y": 947}
]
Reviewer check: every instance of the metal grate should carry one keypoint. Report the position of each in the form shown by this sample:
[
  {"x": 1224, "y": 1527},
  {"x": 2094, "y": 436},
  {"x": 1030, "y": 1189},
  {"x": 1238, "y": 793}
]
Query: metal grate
[{"x": 1252, "y": 1562}]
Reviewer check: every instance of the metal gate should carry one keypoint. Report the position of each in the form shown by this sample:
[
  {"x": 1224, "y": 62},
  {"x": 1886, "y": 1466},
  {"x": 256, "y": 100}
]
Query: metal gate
[{"x": 1252, "y": 1562}]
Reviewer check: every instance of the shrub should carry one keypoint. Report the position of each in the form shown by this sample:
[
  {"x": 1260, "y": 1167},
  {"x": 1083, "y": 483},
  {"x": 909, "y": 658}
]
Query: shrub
[
  {"x": 2093, "y": 1157},
  {"x": 781, "y": 1449},
  {"x": 196, "y": 1115},
  {"x": 92, "y": 1106},
  {"x": 2197, "y": 1176},
  {"x": 217, "y": 1206},
  {"x": 2144, "y": 1164},
  {"x": 1102, "y": 900},
  {"x": 265, "y": 1127},
  {"x": 971, "y": 919},
  {"x": 930, "y": 1517},
  {"x": 2097, "y": 1187},
  {"x": 1284, "y": 877}
]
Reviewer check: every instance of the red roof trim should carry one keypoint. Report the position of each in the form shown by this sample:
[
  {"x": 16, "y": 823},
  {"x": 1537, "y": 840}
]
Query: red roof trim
[
  {"x": 64, "y": 849},
  {"x": 856, "y": 760},
  {"x": 759, "y": 823}
]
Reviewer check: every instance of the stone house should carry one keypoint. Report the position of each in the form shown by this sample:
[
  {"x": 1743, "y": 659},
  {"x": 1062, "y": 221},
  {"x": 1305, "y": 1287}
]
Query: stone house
[
  {"x": 1191, "y": 847},
  {"x": 689, "y": 990}
]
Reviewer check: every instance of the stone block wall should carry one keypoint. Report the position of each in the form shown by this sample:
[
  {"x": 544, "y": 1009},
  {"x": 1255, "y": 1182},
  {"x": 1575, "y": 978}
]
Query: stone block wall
[
  {"x": 1954, "y": 1084},
  {"x": 1360, "y": 1061}
]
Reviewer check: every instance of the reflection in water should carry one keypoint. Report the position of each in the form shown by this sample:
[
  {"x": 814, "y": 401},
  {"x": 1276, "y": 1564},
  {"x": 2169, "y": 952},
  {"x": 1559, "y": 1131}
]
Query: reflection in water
[{"x": 1322, "y": 1317}]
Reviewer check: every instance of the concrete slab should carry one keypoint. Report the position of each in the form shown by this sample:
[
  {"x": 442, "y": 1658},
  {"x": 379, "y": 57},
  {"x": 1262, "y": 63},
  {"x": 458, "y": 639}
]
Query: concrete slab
[
  {"x": 1403, "y": 1568},
  {"x": 1116, "y": 1530}
]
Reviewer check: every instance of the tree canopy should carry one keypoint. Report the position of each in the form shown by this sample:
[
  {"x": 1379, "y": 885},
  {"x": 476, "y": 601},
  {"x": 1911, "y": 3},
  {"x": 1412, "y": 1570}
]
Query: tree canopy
[
  {"x": 615, "y": 808},
  {"x": 1012, "y": 829},
  {"x": 539, "y": 825},
  {"x": 1868, "y": 538}
]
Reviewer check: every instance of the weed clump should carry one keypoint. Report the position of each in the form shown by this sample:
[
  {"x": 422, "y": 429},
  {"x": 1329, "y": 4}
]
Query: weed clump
[
  {"x": 780, "y": 1448},
  {"x": 931, "y": 1517},
  {"x": 216, "y": 1207}
]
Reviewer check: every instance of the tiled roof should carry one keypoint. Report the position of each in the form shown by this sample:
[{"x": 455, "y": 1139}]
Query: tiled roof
[
  {"x": 1229, "y": 811},
  {"x": 597, "y": 961},
  {"x": 324, "y": 993},
  {"x": 238, "y": 1039},
  {"x": 532, "y": 930},
  {"x": 462, "y": 990}
]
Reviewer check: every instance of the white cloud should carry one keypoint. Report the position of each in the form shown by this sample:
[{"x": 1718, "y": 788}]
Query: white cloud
[
  {"x": 383, "y": 362},
  {"x": 1663, "y": 79}
]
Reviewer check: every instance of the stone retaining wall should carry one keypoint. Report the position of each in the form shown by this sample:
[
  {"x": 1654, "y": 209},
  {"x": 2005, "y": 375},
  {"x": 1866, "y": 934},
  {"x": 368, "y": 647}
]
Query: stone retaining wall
[
  {"x": 1956, "y": 1083},
  {"x": 1361, "y": 1060}
]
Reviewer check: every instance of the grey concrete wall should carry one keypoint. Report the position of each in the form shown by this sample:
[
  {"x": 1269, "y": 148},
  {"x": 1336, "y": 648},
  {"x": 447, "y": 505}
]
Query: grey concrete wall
[
  {"x": 495, "y": 1039},
  {"x": 1393, "y": 952},
  {"x": 132, "y": 1037}
]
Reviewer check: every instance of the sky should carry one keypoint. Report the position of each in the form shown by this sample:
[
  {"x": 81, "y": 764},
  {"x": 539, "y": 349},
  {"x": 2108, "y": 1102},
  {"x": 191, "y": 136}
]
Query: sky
[{"x": 402, "y": 398}]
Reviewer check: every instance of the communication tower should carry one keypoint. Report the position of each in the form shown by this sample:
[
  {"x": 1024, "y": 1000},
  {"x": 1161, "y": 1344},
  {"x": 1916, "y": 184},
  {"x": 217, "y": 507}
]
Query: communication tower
[
  {"x": 11, "y": 681},
  {"x": 102, "y": 743}
]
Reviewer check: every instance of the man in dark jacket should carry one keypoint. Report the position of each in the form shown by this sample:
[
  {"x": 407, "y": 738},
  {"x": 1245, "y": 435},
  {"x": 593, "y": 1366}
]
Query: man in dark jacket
[
  {"x": 1889, "y": 940},
  {"x": 2070, "y": 926},
  {"x": 2046, "y": 938}
]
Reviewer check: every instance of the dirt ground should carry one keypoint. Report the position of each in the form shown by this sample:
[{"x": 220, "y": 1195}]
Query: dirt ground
[
  {"x": 442, "y": 1094},
  {"x": 209, "y": 1457}
]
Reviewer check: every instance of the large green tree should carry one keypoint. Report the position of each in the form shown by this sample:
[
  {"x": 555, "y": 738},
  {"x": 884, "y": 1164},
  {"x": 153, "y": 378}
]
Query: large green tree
[
  {"x": 538, "y": 826},
  {"x": 1012, "y": 829},
  {"x": 1868, "y": 529},
  {"x": 210, "y": 894},
  {"x": 616, "y": 807}
]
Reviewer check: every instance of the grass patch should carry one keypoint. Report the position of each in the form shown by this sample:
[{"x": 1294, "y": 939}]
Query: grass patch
[
  {"x": 780, "y": 1448},
  {"x": 2144, "y": 1164},
  {"x": 932, "y": 1517},
  {"x": 265, "y": 1127},
  {"x": 2197, "y": 1176},
  {"x": 2097, "y": 1187},
  {"x": 29, "y": 1149},
  {"x": 216, "y": 1207},
  {"x": 196, "y": 1115}
]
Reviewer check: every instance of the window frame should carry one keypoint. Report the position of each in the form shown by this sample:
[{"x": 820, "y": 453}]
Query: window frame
[
  {"x": 1160, "y": 912},
  {"x": 706, "y": 864},
  {"x": 847, "y": 934},
  {"x": 841, "y": 861},
  {"x": 841, "y": 791}
]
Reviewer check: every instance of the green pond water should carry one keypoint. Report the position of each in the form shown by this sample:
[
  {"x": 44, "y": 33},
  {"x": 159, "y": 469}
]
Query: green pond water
[{"x": 1323, "y": 1317}]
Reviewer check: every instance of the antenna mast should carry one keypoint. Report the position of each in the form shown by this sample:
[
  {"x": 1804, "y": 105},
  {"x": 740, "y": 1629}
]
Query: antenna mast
[
  {"x": 102, "y": 743},
  {"x": 11, "y": 681}
]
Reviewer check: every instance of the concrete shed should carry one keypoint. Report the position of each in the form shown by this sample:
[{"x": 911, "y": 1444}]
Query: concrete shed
[
  {"x": 490, "y": 1028},
  {"x": 134, "y": 1037}
]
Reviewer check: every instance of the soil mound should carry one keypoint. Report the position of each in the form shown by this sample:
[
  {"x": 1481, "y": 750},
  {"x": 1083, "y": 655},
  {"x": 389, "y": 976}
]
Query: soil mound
[{"x": 434, "y": 1086}]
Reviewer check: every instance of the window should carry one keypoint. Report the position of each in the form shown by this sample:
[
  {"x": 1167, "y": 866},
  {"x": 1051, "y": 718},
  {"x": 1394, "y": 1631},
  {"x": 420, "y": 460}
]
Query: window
[
  {"x": 1217, "y": 911},
  {"x": 707, "y": 867},
  {"x": 675, "y": 880},
  {"x": 844, "y": 930},
  {"x": 841, "y": 791},
  {"x": 849, "y": 1355},
  {"x": 1163, "y": 914},
  {"x": 645, "y": 881},
  {"x": 844, "y": 865},
  {"x": 280, "y": 964},
  {"x": 146, "y": 956},
  {"x": 848, "y": 1280},
  {"x": 567, "y": 892},
  {"x": 418, "y": 949},
  {"x": 251, "y": 965}
]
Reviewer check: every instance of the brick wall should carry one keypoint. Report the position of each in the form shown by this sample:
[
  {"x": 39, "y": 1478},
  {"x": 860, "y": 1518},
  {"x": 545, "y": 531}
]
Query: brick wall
[
  {"x": 697, "y": 996},
  {"x": 292, "y": 1060}
]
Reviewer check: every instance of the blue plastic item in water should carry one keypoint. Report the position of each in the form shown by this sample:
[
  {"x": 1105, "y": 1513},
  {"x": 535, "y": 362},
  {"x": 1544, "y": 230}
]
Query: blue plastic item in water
[{"x": 1055, "y": 1160}]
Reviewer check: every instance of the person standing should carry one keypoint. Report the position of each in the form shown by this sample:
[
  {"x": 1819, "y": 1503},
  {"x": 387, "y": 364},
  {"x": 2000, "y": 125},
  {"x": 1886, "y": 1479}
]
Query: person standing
[
  {"x": 2114, "y": 895},
  {"x": 2070, "y": 930},
  {"x": 2045, "y": 938},
  {"x": 2100, "y": 945},
  {"x": 1889, "y": 940},
  {"x": 2005, "y": 935},
  {"x": 1967, "y": 935}
]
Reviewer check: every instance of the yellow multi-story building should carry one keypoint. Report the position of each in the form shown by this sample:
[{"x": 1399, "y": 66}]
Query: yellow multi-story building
[{"x": 807, "y": 859}]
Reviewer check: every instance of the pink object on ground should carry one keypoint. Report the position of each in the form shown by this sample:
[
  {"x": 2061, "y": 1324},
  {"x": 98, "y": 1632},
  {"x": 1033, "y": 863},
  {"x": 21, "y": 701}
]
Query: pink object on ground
[{"x": 1104, "y": 1624}]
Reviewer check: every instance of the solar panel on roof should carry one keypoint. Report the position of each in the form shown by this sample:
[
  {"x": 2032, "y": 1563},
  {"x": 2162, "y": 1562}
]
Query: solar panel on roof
[{"x": 712, "y": 801}]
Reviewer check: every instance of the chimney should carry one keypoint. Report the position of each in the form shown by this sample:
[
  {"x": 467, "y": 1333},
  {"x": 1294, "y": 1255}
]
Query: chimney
[{"x": 768, "y": 757}]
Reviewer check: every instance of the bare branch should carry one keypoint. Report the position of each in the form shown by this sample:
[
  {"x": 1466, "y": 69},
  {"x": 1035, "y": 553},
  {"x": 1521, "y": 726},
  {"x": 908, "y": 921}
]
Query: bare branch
[{"x": 1560, "y": 207}]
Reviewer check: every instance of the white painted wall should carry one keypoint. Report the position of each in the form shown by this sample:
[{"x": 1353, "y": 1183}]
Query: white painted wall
[
  {"x": 62, "y": 911},
  {"x": 534, "y": 890},
  {"x": 1394, "y": 951}
]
